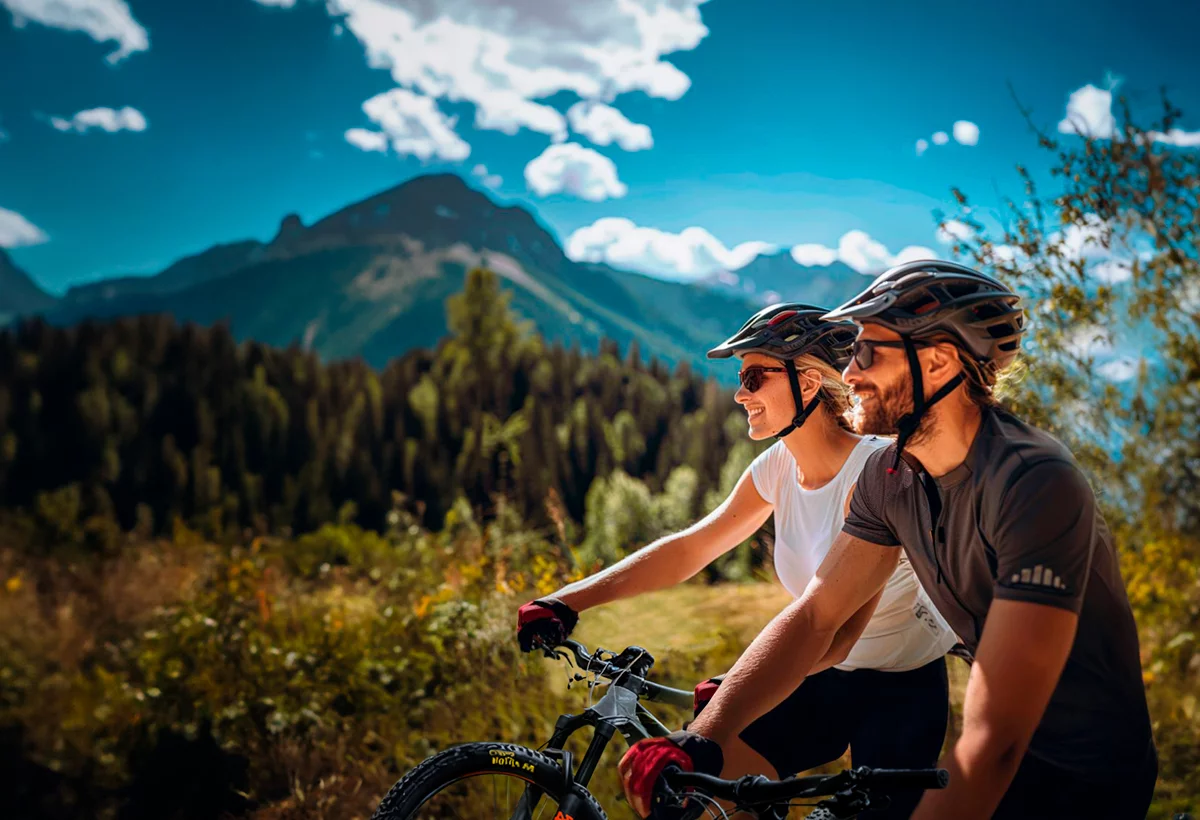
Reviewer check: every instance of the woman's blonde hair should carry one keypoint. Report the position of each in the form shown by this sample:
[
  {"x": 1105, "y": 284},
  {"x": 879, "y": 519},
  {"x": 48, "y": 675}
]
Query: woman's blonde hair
[{"x": 834, "y": 393}]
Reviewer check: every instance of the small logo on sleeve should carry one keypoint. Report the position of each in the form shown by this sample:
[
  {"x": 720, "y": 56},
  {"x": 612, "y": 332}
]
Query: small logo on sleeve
[{"x": 1039, "y": 577}]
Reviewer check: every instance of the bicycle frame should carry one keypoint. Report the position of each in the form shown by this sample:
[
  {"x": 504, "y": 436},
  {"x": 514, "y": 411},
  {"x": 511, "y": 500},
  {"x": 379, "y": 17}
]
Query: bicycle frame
[{"x": 620, "y": 710}]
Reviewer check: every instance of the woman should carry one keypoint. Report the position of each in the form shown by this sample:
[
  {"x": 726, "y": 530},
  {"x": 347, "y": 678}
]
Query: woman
[{"x": 881, "y": 689}]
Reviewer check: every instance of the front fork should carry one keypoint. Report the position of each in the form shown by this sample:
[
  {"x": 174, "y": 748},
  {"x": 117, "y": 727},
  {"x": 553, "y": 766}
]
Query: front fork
[{"x": 642, "y": 726}]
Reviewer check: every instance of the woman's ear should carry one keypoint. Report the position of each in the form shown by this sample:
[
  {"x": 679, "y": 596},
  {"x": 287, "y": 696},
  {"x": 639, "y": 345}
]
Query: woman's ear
[{"x": 810, "y": 384}]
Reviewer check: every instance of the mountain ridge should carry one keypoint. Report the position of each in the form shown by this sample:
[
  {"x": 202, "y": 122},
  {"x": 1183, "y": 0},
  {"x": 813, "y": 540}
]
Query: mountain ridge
[{"x": 370, "y": 279}]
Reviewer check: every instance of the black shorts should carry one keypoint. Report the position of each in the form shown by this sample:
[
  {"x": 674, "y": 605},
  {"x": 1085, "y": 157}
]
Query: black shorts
[
  {"x": 893, "y": 720},
  {"x": 1042, "y": 790}
]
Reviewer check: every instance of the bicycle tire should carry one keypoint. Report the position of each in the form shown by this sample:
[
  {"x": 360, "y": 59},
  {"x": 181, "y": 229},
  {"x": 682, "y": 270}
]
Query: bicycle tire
[{"x": 458, "y": 763}]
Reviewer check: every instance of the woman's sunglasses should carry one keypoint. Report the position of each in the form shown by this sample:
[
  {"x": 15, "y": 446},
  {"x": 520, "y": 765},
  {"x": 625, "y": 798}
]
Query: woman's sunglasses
[{"x": 752, "y": 377}]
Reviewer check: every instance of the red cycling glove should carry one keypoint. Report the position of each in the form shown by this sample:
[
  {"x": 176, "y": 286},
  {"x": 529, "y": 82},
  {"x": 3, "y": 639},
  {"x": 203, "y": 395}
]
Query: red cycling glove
[
  {"x": 546, "y": 619},
  {"x": 645, "y": 761},
  {"x": 703, "y": 693}
]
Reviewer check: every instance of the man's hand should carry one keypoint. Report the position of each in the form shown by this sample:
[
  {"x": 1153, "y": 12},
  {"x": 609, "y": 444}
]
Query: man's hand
[
  {"x": 645, "y": 761},
  {"x": 544, "y": 622}
]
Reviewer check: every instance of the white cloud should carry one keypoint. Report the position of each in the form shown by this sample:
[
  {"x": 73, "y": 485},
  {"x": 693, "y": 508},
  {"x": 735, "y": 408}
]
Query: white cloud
[
  {"x": 102, "y": 20},
  {"x": 690, "y": 254},
  {"x": 954, "y": 231},
  {"x": 415, "y": 126},
  {"x": 1090, "y": 240},
  {"x": 108, "y": 119},
  {"x": 366, "y": 140},
  {"x": 572, "y": 169},
  {"x": 1112, "y": 271},
  {"x": 503, "y": 56},
  {"x": 1178, "y": 137},
  {"x": 866, "y": 255},
  {"x": 812, "y": 255},
  {"x": 1089, "y": 113},
  {"x": 1089, "y": 340},
  {"x": 283, "y": 4},
  {"x": 861, "y": 252},
  {"x": 1119, "y": 370},
  {"x": 490, "y": 180},
  {"x": 603, "y": 125},
  {"x": 16, "y": 231},
  {"x": 966, "y": 132}
]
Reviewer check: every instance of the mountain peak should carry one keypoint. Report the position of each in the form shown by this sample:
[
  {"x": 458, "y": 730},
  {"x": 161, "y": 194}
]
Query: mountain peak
[
  {"x": 436, "y": 211},
  {"x": 291, "y": 226},
  {"x": 18, "y": 292},
  {"x": 777, "y": 276}
]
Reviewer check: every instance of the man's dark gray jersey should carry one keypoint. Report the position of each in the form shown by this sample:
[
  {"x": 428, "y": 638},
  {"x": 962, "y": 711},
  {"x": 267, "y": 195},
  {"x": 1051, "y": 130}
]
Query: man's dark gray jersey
[{"x": 1017, "y": 520}]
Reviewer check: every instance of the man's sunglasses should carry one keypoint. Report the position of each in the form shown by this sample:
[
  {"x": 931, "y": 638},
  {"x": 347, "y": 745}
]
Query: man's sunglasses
[
  {"x": 863, "y": 351},
  {"x": 752, "y": 377}
]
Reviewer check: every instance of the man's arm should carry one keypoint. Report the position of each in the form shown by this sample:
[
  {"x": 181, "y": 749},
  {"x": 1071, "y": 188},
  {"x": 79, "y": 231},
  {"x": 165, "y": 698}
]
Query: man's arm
[
  {"x": 1021, "y": 655},
  {"x": 785, "y": 652}
]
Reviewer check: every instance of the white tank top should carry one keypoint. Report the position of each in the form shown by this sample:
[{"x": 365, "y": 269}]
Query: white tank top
[{"x": 905, "y": 632}]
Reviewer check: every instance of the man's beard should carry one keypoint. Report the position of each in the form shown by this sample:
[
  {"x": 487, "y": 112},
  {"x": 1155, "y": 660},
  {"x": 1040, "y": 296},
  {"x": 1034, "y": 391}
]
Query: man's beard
[{"x": 882, "y": 416}]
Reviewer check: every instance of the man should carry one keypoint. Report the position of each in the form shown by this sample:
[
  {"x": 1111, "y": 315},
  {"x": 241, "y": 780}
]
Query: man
[{"x": 1004, "y": 533}]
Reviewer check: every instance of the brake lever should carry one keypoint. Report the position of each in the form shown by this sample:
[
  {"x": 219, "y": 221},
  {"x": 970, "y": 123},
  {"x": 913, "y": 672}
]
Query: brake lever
[{"x": 667, "y": 804}]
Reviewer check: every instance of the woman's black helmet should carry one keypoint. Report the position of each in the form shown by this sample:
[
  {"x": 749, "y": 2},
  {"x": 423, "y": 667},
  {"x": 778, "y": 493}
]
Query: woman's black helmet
[{"x": 787, "y": 331}]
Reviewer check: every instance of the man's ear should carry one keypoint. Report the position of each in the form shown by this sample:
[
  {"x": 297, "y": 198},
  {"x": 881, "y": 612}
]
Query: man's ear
[{"x": 942, "y": 362}]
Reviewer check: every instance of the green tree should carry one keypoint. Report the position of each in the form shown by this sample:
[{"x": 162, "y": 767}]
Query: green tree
[{"x": 1110, "y": 262}]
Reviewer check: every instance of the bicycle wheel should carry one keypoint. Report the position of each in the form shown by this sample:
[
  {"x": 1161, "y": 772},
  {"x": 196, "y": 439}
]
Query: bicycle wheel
[{"x": 484, "y": 780}]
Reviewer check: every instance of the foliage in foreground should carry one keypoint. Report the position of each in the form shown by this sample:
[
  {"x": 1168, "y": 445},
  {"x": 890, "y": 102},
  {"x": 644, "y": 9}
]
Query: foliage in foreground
[{"x": 1110, "y": 265}]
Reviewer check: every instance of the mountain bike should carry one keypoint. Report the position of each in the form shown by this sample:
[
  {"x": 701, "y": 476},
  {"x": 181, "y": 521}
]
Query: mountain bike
[{"x": 518, "y": 783}]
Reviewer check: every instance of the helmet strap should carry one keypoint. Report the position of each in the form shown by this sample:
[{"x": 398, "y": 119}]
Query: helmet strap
[
  {"x": 797, "y": 399},
  {"x": 909, "y": 422}
]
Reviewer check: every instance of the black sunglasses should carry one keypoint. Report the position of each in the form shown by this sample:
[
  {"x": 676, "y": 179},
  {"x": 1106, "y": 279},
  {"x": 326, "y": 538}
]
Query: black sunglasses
[
  {"x": 863, "y": 350},
  {"x": 752, "y": 377}
]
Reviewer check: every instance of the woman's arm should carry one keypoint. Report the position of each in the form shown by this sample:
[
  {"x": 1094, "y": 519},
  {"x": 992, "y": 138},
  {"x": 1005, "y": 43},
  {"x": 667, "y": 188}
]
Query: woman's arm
[
  {"x": 846, "y": 637},
  {"x": 674, "y": 558}
]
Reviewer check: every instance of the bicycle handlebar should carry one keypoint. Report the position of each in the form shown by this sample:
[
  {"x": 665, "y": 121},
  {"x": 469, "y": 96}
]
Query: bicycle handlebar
[
  {"x": 618, "y": 674},
  {"x": 756, "y": 789}
]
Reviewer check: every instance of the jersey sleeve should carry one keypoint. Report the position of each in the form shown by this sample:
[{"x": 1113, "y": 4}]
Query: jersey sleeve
[
  {"x": 867, "y": 519},
  {"x": 1045, "y": 532},
  {"x": 765, "y": 472}
]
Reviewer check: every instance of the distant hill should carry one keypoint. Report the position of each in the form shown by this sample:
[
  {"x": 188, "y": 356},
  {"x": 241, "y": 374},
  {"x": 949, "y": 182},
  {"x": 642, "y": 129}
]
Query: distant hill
[
  {"x": 777, "y": 277},
  {"x": 370, "y": 280},
  {"x": 18, "y": 292}
]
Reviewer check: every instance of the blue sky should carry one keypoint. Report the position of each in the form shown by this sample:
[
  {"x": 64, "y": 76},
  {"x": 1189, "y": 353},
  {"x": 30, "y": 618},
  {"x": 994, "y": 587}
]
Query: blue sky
[{"x": 789, "y": 123}]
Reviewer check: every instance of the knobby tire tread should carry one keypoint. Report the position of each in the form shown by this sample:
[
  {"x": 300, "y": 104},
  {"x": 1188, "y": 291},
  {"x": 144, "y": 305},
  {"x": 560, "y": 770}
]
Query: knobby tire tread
[{"x": 458, "y": 762}]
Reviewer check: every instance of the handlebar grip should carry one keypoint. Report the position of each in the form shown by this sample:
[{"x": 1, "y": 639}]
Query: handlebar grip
[{"x": 906, "y": 778}]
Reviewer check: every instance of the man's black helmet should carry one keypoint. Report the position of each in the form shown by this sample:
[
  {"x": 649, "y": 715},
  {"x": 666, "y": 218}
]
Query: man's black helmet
[
  {"x": 788, "y": 330},
  {"x": 926, "y": 298}
]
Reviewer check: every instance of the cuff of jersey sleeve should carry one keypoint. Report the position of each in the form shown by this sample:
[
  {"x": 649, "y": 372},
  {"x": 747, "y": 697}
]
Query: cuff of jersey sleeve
[
  {"x": 871, "y": 536},
  {"x": 1069, "y": 602}
]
